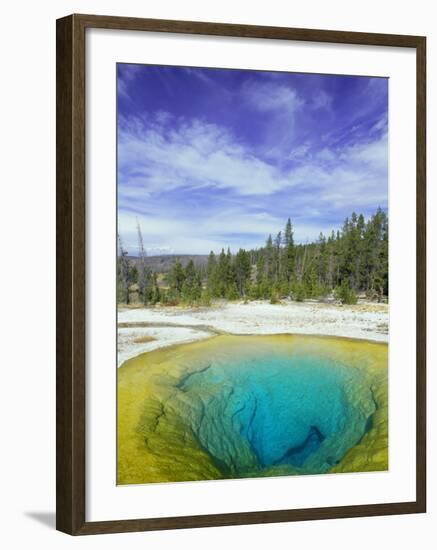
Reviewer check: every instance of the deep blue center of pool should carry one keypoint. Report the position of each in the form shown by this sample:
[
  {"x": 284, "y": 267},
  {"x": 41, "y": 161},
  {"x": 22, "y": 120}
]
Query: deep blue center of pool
[{"x": 277, "y": 411}]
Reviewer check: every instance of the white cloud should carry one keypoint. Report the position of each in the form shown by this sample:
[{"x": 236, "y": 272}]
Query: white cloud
[
  {"x": 209, "y": 233},
  {"x": 326, "y": 155},
  {"x": 300, "y": 152},
  {"x": 201, "y": 74},
  {"x": 194, "y": 156},
  {"x": 321, "y": 100},
  {"x": 374, "y": 154},
  {"x": 190, "y": 157},
  {"x": 126, "y": 74},
  {"x": 163, "y": 117},
  {"x": 271, "y": 96},
  {"x": 381, "y": 124}
]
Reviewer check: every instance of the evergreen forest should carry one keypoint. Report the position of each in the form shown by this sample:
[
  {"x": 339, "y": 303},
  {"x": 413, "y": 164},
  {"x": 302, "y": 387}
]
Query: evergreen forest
[{"x": 341, "y": 265}]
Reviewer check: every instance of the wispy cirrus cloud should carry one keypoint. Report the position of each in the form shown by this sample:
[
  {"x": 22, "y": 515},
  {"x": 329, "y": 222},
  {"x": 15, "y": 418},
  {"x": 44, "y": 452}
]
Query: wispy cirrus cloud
[
  {"x": 271, "y": 96},
  {"x": 193, "y": 156},
  {"x": 201, "y": 162},
  {"x": 201, "y": 169},
  {"x": 321, "y": 100},
  {"x": 236, "y": 228}
]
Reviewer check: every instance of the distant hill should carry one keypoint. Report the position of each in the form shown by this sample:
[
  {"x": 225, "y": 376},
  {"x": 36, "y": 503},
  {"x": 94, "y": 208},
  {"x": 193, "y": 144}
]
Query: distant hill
[{"x": 163, "y": 264}]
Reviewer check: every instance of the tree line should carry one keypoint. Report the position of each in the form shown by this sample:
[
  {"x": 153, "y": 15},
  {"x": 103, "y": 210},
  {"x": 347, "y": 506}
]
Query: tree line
[{"x": 346, "y": 262}]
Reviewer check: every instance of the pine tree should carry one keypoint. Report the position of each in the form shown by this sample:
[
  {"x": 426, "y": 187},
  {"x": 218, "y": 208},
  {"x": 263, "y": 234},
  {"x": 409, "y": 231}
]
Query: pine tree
[
  {"x": 155, "y": 295},
  {"x": 192, "y": 286},
  {"x": 351, "y": 260},
  {"x": 269, "y": 261},
  {"x": 222, "y": 274},
  {"x": 242, "y": 271},
  {"x": 133, "y": 275},
  {"x": 230, "y": 273},
  {"x": 290, "y": 254},
  {"x": 322, "y": 261},
  {"x": 211, "y": 275},
  {"x": 177, "y": 277}
]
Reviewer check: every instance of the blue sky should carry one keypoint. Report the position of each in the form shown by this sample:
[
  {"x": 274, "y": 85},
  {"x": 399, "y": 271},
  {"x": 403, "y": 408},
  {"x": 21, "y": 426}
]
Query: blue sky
[{"x": 211, "y": 157}]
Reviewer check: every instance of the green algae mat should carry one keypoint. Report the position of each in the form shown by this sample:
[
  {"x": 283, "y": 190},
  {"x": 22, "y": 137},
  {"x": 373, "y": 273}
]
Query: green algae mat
[{"x": 253, "y": 406}]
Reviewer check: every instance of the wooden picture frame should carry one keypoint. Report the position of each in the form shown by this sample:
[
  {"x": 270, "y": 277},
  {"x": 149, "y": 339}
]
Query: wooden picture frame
[{"x": 71, "y": 254}]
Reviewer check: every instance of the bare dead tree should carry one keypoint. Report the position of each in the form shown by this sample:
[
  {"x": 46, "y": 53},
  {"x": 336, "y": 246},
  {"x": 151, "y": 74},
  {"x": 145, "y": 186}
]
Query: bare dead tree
[
  {"x": 122, "y": 271},
  {"x": 143, "y": 272}
]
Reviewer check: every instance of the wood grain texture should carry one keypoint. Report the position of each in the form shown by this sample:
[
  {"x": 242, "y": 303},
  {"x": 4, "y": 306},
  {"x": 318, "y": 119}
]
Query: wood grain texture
[
  {"x": 71, "y": 274},
  {"x": 70, "y": 277},
  {"x": 421, "y": 275},
  {"x": 247, "y": 31},
  {"x": 64, "y": 411}
]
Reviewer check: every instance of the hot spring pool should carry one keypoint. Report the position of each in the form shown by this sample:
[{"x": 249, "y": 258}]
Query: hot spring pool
[{"x": 245, "y": 406}]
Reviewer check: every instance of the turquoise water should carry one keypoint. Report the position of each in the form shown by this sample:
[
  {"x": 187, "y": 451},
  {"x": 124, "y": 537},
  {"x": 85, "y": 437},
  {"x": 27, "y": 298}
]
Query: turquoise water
[{"x": 300, "y": 413}]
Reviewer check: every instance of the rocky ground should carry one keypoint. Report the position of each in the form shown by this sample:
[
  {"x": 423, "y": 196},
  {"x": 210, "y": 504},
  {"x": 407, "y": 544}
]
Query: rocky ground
[{"x": 143, "y": 329}]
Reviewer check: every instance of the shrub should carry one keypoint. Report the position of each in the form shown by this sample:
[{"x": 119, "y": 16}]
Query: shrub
[
  {"x": 232, "y": 292},
  {"x": 345, "y": 294},
  {"x": 299, "y": 292},
  {"x": 274, "y": 296},
  {"x": 253, "y": 292},
  {"x": 205, "y": 298},
  {"x": 284, "y": 289},
  {"x": 170, "y": 298}
]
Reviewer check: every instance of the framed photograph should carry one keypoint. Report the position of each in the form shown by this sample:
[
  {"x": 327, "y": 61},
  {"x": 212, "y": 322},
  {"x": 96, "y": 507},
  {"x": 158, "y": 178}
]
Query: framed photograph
[{"x": 240, "y": 274}]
